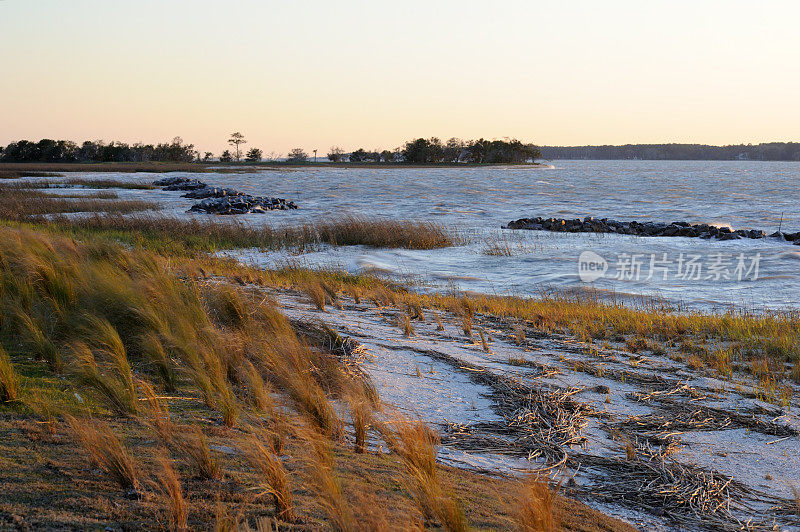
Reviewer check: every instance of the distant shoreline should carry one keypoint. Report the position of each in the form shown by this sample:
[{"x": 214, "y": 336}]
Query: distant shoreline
[{"x": 225, "y": 167}]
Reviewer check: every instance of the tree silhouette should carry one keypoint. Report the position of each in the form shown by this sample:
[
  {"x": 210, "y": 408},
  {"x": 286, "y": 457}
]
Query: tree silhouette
[{"x": 235, "y": 140}]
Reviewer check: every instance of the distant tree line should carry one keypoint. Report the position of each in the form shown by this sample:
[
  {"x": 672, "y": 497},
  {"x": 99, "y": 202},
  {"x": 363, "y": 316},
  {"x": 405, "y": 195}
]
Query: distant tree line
[
  {"x": 434, "y": 151},
  {"x": 66, "y": 151},
  {"x": 770, "y": 151},
  {"x": 417, "y": 151}
]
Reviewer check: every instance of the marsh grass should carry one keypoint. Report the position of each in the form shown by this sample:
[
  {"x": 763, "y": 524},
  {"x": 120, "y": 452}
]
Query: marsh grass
[
  {"x": 105, "y": 450},
  {"x": 360, "y": 415},
  {"x": 317, "y": 295},
  {"x": 322, "y": 474},
  {"x": 416, "y": 445},
  {"x": 192, "y": 445},
  {"x": 16, "y": 174},
  {"x": 274, "y": 478},
  {"x": 404, "y": 322},
  {"x": 77, "y": 182},
  {"x": 170, "y": 486},
  {"x": 20, "y": 205},
  {"x": 9, "y": 379},
  {"x": 182, "y": 235},
  {"x": 534, "y": 508}
]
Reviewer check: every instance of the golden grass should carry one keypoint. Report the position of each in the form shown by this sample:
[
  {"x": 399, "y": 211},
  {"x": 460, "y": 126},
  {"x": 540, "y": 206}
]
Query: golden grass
[
  {"x": 322, "y": 475},
  {"x": 316, "y": 294},
  {"x": 181, "y": 236},
  {"x": 19, "y": 204},
  {"x": 416, "y": 445},
  {"x": 9, "y": 379},
  {"x": 275, "y": 479},
  {"x": 404, "y": 322},
  {"x": 192, "y": 445},
  {"x": 170, "y": 486},
  {"x": 105, "y": 451},
  {"x": 534, "y": 507},
  {"x": 360, "y": 415}
]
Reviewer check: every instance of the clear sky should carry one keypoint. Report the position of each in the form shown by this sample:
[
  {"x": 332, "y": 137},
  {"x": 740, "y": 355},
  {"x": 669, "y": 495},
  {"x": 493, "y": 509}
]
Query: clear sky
[{"x": 372, "y": 74}]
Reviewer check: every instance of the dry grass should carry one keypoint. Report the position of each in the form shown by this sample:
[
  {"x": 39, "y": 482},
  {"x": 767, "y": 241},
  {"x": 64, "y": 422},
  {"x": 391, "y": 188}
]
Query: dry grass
[
  {"x": 78, "y": 182},
  {"x": 534, "y": 506},
  {"x": 192, "y": 445},
  {"x": 416, "y": 445},
  {"x": 484, "y": 343},
  {"x": 466, "y": 325},
  {"x": 519, "y": 333},
  {"x": 316, "y": 294},
  {"x": 9, "y": 379},
  {"x": 360, "y": 415},
  {"x": 275, "y": 480},
  {"x": 404, "y": 322},
  {"x": 352, "y": 231},
  {"x": 19, "y": 205},
  {"x": 105, "y": 451},
  {"x": 322, "y": 475},
  {"x": 170, "y": 486},
  {"x": 181, "y": 235}
]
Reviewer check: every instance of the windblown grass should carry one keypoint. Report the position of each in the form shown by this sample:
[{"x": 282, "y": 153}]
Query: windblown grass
[
  {"x": 9, "y": 379},
  {"x": 20, "y": 205},
  {"x": 534, "y": 507},
  {"x": 275, "y": 479},
  {"x": 192, "y": 445},
  {"x": 172, "y": 235},
  {"x": 416, "y": 445},
  {"x": 170, "y": 485},
  {"x": 106, "y": 451},
  {"x": 73, "y": 182}
]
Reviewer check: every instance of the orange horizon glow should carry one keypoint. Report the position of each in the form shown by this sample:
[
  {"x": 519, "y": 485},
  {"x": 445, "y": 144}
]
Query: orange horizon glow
[{"x": 364, "y": 74}]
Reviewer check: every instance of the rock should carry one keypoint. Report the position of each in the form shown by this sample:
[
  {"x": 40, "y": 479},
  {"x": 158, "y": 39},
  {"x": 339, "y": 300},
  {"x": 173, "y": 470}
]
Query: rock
[
  {"x": 189, "y": 184},
  {"x": 218, "y": 200},
  {"x": 680, "y": 228},
  {"x": 241, "y": 204},
  {"x": 211, "y": 192}
]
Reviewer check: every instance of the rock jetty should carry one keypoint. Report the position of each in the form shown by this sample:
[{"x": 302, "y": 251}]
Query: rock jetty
[
  {"x": 217, "y": 200},
  {"x": 607, "y": 225}
]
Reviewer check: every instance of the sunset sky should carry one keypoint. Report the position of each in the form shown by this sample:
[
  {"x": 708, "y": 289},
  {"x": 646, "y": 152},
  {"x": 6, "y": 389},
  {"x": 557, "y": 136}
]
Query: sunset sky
[{"x": 373, "y": 74}]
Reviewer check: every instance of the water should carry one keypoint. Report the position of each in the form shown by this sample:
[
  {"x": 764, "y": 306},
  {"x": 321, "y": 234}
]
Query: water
[{"x": 477, "y": 201}]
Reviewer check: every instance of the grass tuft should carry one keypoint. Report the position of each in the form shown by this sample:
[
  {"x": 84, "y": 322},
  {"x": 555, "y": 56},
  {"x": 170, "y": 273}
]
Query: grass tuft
[
  {"x": 275, "y": 479},
  {"x": 534, "y": 509},
  {"x": 105, "y": 450},
  {"x": 9, "y": 379},
  {"x": 170, "y": 486}
]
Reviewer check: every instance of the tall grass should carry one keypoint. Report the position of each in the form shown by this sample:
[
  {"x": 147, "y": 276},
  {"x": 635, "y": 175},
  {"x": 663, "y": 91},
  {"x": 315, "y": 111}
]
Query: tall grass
[
  {"x": 9, "y": 379},
  {"x": 164, "y": 233},
  {"x": 328, "y": 486},
  {"x": 416, "y": 445},
  {"x": 170, "y": 485},
  {"x": 19, "y": 205},
  {"x": 533, "y": 511},
  {"x": 192, "y": 445},
  {"x": 274, "y": 478},
  {"x": 105, "y": 450}
]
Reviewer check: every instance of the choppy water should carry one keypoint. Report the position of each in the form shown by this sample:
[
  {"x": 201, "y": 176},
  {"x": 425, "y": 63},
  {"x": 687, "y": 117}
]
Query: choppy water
[{"x": 479, "y": 200}]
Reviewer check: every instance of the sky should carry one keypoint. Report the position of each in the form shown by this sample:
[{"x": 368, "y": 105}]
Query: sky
[{"x": 373, "y": 74}]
